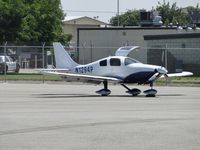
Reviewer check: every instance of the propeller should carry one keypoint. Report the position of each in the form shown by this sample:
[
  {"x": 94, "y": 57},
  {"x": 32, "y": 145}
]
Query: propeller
[
  {"x": 164, "y": 72},
  {"x": 167, "y": 79}
]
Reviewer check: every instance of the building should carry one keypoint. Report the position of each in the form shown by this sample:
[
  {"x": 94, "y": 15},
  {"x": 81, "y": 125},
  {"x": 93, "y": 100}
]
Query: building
[
  {"x": 96, "y": 43},
  {"x": 182, "y": 45},
  {"x": 72, "y": 23},
  {"x": 176, "y": 52}
]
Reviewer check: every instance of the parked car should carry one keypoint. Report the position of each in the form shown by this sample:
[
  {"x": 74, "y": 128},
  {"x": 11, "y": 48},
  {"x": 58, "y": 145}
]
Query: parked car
[{"x": 11, "y": 66}]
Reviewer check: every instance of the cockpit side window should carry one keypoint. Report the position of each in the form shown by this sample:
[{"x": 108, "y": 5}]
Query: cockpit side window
[
  {"x": 103, "y": 62},
  {"x": 115, "y": 62},
  {"x": 129, "y": 61}
]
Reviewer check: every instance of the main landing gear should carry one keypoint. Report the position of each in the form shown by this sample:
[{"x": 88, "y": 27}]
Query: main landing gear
[
  {"x": 105, "y": 91},
  {"x": 134, "y": 92}
]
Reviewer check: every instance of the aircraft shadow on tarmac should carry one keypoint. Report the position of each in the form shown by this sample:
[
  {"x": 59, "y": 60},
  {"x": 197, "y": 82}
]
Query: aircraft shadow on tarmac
[{"x": 95, "y": 96}]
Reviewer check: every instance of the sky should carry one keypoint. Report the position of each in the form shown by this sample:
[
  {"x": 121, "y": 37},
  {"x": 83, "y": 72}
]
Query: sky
[{"x": 105, "y": 9}]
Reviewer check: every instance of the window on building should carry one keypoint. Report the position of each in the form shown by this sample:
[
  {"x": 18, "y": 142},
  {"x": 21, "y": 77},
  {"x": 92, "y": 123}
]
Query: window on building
[
  {"x": 115, "y": 62},
  {"x": 183, "y": 45},
  {"x": 103, "y": 62}
]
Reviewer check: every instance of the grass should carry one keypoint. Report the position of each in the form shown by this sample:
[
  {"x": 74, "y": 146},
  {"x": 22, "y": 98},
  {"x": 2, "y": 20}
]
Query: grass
[
  {"x": 194, "y": 81},
  {"x": 29, "y": 77}
]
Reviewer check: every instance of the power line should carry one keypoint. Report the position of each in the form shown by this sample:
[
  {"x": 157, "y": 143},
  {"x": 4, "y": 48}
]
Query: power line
[{"x": 91, "y": 11}]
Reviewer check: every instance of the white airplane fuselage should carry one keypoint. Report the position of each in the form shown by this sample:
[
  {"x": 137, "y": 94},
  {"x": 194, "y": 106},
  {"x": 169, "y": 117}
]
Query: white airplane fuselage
[{"x": 124, "y": 68}]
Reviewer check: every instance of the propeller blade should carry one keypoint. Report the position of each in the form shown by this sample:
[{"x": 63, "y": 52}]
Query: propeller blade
[{"x": 167, "y": 79}]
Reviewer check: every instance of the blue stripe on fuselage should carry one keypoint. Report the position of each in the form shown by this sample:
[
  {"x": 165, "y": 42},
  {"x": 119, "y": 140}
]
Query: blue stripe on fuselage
[{"x": 139, "y": 77}]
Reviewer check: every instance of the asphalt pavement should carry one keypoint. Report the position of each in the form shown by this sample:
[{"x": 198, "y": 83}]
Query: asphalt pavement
[{"x": 73, "y": 117}]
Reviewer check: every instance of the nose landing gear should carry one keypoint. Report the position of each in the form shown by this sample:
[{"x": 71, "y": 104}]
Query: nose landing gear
[{"x": 151, "y": 92}]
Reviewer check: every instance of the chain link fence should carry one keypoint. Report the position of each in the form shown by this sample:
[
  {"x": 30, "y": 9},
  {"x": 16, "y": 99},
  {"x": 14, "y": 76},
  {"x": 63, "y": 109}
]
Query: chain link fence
[{"x": 37, "y": 56}]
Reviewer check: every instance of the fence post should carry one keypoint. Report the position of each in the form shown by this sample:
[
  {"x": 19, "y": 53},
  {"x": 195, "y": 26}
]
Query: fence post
[
  {"x": 91, "y": 54},
  {"x": 5, "y": 70},
  {"x": 43, "y": 45},
  {"x": 166, "y": 65},
  {"x": 166, "y": 53}
]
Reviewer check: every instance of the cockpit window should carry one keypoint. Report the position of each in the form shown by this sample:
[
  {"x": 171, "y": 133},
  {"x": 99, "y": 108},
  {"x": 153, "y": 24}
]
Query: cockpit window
[
  {"x": 103, "y": 63},
  {"x": 115, "y": 62},
  {"x": 129, "y": 61}
]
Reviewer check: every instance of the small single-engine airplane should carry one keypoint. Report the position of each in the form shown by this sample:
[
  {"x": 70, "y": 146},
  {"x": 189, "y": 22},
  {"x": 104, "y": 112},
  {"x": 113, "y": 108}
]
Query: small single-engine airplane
[{"x": 116, "y": 69}]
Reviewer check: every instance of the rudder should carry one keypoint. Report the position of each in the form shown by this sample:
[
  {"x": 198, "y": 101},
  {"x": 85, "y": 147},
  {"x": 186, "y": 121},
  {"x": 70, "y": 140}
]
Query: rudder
[{"x": 62, "y": 58}]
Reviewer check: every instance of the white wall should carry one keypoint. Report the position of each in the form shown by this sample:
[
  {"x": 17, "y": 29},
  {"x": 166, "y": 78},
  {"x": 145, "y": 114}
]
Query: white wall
[{"x": 105, "y": 41}]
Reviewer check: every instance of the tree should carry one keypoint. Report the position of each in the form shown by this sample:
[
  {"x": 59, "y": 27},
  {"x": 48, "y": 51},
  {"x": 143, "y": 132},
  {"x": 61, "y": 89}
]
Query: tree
[
  {"x": 43, "y": 21},
  {"x": 191, "y": 9},
  {"x": 172, "y": 13},
  {"x": 129, "y": 18},
  {"x": 32, "y": 20},
  {"x": 11, "y": 13}
]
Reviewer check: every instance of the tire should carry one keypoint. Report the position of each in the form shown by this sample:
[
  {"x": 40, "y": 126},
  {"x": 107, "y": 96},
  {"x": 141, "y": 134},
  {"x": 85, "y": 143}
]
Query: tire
[
  {"x": 6, "y": 69},
  {"x": 17, "y": 68}
]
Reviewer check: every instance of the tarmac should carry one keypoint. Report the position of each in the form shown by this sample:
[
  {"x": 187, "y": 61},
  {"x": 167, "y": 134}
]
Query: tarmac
[{"x": 73, "y": 117}]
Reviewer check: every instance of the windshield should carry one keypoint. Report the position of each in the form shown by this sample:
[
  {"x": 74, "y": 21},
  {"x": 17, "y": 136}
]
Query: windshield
[
  {"x": 9, "y": 59},
  {"x": 130, "y": 61}
]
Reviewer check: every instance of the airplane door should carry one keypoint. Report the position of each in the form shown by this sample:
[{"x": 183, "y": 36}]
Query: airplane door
[{"x": 115, "y": 64}]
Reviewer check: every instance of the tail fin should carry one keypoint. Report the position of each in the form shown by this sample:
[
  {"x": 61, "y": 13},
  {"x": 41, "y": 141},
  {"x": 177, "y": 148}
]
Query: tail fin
[{"x": 63, "y": 60}]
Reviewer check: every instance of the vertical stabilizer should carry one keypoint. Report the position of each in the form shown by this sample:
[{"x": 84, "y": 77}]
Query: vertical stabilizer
[{"x": 63, "y": 60}]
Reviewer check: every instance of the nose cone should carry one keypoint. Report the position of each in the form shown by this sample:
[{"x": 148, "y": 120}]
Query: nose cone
[{"x": 162, "y": 70}]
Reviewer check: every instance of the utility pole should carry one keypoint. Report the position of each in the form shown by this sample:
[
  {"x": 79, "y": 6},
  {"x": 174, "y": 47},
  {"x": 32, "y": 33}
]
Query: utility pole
[{"x": 118, "y": 13}]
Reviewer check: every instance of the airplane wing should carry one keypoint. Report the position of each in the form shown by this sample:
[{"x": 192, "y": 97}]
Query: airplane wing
[
  {"x": 83, "y": 78},
  {"x": 181, "y": 74},
  {"x": 52, "y": 70}
]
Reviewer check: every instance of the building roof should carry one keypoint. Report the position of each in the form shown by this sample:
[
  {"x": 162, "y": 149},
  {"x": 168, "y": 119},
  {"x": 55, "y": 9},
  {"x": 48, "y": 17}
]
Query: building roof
[
  {"x": 82, "y": 20},
  {"x": 69, "y": 18}
]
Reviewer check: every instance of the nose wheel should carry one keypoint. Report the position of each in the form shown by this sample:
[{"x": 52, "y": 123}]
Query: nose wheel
[{"x": 151, "y": 92}]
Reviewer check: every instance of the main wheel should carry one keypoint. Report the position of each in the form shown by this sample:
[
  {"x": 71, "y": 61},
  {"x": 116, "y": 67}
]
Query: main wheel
[
  {"x": 103, "y": 92},
  {"x": 134, "y": 92}
]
